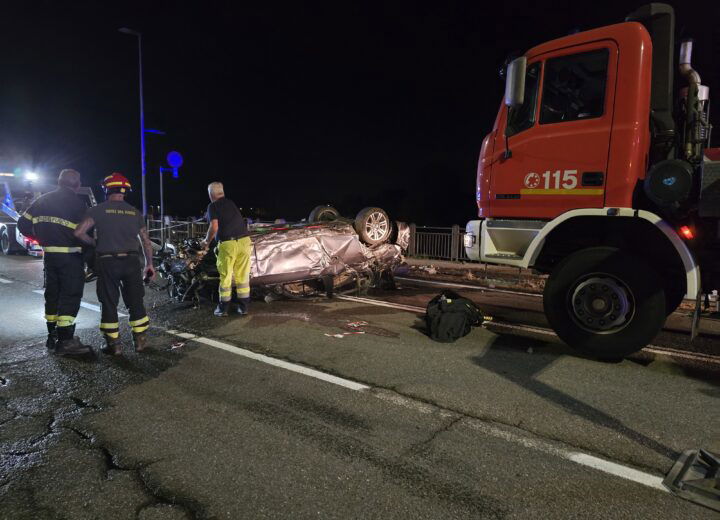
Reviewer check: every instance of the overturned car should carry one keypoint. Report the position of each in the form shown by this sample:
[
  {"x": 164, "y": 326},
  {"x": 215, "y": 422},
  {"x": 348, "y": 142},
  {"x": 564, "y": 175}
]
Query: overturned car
[{"x": 324, "y": 255}]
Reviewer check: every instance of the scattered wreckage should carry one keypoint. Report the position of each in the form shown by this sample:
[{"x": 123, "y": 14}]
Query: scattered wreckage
[{"x": 325, "y": 255}]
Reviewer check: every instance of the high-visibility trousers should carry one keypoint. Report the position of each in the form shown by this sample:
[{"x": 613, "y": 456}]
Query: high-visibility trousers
[
  {"x": 233, "y": 263},
  {"x": 64, "y": 284},
  {"x": 116, "y": 276}
]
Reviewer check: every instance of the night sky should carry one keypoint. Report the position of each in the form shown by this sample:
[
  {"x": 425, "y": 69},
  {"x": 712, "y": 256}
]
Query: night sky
[{"x": 290, "y": 105}]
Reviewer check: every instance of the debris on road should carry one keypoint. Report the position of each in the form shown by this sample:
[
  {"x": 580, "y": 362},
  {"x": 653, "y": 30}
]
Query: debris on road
[
  {"x": 177, "y": 345},
  {"x": 356, "y": 324},
  {"x": 694, "y": 477},
  {"x": 342, "y": 335}
]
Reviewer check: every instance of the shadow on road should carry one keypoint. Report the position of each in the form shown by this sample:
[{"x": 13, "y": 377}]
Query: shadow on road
[{"x": 498, "y": 358}]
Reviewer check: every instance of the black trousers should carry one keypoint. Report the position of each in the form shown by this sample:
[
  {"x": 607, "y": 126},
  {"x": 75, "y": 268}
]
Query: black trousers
[
  {"x": 116, "y": 276},
  {"x": 64, "y": 284}
]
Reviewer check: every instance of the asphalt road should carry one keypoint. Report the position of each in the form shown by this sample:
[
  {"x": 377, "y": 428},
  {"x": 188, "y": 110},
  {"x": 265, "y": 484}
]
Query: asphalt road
[{"x": 274, "y": 416}]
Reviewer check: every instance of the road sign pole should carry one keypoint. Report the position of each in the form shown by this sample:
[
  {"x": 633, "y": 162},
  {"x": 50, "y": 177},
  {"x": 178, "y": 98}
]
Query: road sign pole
[{"x": 162, "y": 211}]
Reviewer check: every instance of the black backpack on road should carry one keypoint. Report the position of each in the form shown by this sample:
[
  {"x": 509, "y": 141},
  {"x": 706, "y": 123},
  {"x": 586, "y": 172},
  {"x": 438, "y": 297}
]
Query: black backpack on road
[{"x": 449, "y": 317}]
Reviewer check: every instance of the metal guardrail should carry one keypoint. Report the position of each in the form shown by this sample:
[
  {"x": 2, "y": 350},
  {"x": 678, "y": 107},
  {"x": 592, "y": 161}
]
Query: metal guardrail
[
  {"x": 176, "y": 230},
  {"x": 437, "y": 243}
]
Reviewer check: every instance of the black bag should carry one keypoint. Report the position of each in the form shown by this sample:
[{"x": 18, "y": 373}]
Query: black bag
[{"x": 449, "y": 316}]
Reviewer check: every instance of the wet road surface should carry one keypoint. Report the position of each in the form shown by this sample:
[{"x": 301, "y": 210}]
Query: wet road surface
[{"x": 493, "y": 426}]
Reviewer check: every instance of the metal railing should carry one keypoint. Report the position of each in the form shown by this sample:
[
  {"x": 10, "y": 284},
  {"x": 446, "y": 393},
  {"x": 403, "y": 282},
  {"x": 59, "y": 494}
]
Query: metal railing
[
  {"x": 437, "y": 243},
  {"x": 175, "y": 230}
]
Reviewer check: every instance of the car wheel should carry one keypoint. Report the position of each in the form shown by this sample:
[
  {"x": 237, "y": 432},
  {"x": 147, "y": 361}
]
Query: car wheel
[
  {"x": 373, "y": 226},
  {"x": 323, "y": 214},
  {"x": 5, "y": 243},
  {"x": 605, "y": 302}
]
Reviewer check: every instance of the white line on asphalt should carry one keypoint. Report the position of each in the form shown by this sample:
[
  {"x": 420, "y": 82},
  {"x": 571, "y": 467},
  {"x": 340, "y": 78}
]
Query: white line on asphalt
[
  {"x": 86, "y": 305},
  {"x": 3, "y": 280},
  {"x": 466, "y": 286},
  {"x": 699, "y": 356},
  {"x": 618, "y": 470},
  {"x": 584, "y": 459},
  {"x": 380, "y": 303},
  {"x": 352, "y": 385},
  {"x": 654, "y": 349},
  {"x": 577, "y": 457}
]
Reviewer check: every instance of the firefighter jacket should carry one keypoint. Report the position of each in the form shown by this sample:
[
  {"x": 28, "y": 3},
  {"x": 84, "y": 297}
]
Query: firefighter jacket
[{"x": 51, "y": 220}]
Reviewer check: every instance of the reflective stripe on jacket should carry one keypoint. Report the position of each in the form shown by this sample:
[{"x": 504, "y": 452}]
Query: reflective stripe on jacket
[{"x": 51, "y": 220}]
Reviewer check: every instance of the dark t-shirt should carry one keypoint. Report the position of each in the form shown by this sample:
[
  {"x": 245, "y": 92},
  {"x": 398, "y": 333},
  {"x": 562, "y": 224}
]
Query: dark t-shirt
[
  {"x": 231, "y": 223},
  {"x": 117, "y": 225}
]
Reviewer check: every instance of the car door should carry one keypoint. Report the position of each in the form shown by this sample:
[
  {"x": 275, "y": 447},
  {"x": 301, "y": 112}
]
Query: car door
[{"x": 558, "y": 147}]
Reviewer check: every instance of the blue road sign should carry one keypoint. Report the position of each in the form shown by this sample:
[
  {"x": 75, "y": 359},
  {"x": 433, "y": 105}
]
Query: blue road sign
[{"x": 174, "y": 159}]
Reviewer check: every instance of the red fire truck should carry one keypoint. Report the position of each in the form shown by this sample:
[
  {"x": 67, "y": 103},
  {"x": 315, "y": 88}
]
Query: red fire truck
[{"x": 596, "y": 172}]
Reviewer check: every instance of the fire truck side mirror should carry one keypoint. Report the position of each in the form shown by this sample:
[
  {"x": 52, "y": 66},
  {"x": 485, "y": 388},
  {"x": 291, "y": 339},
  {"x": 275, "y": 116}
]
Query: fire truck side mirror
[{"x": 515, "y": 82}]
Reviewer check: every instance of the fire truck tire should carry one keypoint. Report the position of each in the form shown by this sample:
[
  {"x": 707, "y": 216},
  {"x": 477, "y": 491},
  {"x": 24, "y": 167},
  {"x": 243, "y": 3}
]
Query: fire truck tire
[
  {"x": 373, "y": 226},
  {"x": 323, "y": 214},
  {"x": 605, "y": 302}
]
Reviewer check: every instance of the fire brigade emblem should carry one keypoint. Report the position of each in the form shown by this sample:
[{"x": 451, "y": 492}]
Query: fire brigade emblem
[{"x": 532, "y": 180}]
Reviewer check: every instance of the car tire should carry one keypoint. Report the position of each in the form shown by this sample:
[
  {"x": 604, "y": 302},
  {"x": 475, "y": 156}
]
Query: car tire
[
  {"x": 373, "y": 226},
  {"x": 323, "y": 214},
  {"x": 5, "y": 244},
  {"x": 605, "y": 302}
]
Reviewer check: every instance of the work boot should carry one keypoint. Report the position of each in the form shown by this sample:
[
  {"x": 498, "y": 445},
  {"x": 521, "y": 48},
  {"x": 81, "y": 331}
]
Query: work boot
[
  {"x": 140, "y": 341},
  {"x": 112, "y": 347},
  {"x": 52, "y": 338},
  {"x": 68, "y": 344},
  {"x": 221, "y": 309}
]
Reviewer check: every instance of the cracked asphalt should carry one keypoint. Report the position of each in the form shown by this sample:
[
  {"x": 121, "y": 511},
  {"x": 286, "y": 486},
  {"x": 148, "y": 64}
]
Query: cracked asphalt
[{"x": 468, "y": 430}]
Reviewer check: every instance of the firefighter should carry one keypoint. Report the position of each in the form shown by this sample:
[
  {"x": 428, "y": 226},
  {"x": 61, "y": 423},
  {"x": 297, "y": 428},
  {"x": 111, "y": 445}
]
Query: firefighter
[
  {"x": 233, "y": 251},
  {"x": 51, "y": 220},
  {"x": 118, "y": 226}
]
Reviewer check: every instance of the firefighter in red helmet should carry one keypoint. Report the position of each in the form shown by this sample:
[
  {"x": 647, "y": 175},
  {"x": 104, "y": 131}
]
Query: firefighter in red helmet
[{"x": 118, "y": 226}]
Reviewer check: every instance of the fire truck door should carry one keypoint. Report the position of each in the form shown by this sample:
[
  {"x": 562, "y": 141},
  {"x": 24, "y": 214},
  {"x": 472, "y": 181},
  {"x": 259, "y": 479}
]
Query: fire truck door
[{"x": 559, "y": 139}]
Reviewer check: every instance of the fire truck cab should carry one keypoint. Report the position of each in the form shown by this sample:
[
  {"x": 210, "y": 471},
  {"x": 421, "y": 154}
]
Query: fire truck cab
[{"x": 596, "y": 172}]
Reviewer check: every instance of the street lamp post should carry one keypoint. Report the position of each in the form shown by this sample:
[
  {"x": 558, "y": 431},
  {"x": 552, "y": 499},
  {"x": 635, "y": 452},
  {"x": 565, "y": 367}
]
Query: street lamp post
[{"x": 131, "y": 32}]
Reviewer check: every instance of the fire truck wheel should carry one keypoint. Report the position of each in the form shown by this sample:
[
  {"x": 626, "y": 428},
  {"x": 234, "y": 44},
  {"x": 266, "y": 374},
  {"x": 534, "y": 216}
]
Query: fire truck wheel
[{"x": 605, "y": 302}]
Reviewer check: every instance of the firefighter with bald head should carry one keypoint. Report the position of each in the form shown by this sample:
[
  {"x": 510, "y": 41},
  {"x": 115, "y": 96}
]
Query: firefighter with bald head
[
  {"x": 51, "y": 220},
  {"x": 119, "y": 232}
]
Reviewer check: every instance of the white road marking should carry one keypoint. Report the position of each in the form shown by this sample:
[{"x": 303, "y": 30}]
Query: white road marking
[
  {"x": 577, "y": 457},
  {"x": 654, "y": 349},
  {"x": 352, "y": 385},
  {"x": 86, "y": 305},
  {"x": 380, "y": 303},
  {"x": 466, "y": 286},
  {"x": 694, "y": 356},
  {"x": 584, "y": 459},
  {"x": 618, "y": 470},
  {"x": 3, "y": 280}
]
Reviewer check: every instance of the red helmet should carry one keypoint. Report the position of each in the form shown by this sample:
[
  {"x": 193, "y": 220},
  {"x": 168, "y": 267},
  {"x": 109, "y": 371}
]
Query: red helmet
[{"x": 116, "y": 181}]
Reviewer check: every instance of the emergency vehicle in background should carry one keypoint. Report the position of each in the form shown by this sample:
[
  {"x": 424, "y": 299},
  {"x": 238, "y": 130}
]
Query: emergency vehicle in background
[
  {"x": 597, "y": 172},
  {"x": 17, "y": 192}
]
